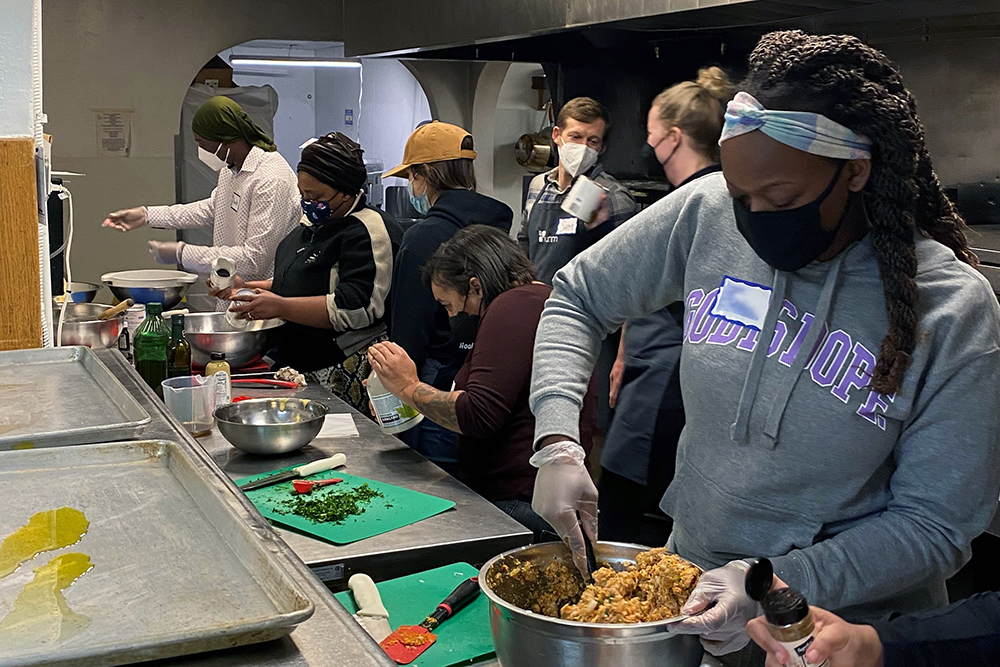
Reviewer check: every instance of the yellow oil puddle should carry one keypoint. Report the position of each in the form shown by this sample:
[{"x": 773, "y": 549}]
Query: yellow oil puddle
[
  {"x": 45, "y": 531},
  {"x": 40, "y": 614}
]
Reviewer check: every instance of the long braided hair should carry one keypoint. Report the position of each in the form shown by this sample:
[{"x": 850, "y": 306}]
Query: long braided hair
[{"x": 857, "y": 86}]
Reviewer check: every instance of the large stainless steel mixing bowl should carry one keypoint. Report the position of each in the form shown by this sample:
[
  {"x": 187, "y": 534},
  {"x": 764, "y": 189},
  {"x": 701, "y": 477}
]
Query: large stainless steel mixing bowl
[
  {"x": 150, "y": 285},
  {"x": 526, "y": 639},
  {"x": 81, "y": 326},
  {"x": 271, "y": 426},
  {"x": 211, "y": 332}
]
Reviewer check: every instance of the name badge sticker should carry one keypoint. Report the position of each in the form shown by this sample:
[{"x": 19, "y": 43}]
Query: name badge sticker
[
  {"x": 236, "y": 202},
  {"x": 566, "y": 226},
  {"x": 742, "y": 302}
]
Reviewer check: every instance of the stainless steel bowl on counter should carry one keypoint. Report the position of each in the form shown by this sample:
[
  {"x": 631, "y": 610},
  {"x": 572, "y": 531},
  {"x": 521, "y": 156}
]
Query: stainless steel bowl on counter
[
  {"x": 525, "y": 639},
  {"x": 211, "y": 332},
  {"x": 81, "y": 326},
  {"x": 83, "y": 292},
  {"x": 150, "y": 285},
  {"x": 270, "y": 426}
]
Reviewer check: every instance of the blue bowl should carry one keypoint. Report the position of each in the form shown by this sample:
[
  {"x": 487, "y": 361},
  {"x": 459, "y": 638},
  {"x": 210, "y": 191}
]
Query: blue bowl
[{"x": 83, "y": 292}]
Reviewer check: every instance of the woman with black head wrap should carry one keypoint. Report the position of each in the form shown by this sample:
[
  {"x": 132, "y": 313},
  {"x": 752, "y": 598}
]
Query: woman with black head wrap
[{"x": 331, "y": 274}]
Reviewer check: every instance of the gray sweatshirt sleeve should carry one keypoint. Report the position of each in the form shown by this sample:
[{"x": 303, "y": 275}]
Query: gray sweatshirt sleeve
[
  {"x": 635, "y": 270},
  {"x": 944, "y": 492}
]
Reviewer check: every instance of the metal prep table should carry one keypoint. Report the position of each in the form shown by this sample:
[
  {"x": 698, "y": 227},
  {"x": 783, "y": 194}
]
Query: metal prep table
[{"x": 474, "y": 531}]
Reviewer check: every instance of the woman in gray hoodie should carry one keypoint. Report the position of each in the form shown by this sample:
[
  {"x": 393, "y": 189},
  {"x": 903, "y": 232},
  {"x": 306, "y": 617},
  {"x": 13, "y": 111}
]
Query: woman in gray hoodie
[{"x": 840, "y": 350}]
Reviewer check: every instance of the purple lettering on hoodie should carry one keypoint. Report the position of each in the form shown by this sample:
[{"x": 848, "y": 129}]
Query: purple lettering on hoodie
[
  {"x": 819, "y": 343},
  {"x": 859, "y": 373},
  {"x": 693, "y": 301},
  {"x": 725, "y": 332},
  {"x": 876, "y": 401},
  {"x": 789, "y": 356},
  {"x": 749, "y": 341},
  {"x": 831, "y": 358},
  {"x": 703, "y": 321}
]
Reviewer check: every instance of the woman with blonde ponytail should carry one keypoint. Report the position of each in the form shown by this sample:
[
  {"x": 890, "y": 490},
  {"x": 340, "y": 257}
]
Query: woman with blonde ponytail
[{"x": 682, "y": 136}]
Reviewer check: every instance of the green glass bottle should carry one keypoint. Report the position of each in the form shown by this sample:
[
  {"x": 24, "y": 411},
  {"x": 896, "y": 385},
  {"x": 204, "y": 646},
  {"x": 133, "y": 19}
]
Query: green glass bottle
[
  {"x": 150, "y": 347},
  {"x": 178, "y": 349}
]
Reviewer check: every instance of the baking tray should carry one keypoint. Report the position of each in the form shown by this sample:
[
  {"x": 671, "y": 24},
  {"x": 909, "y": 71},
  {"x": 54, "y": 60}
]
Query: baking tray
[
  {"x": 179, "y": 566},
  {"x": 61, "y": 396}
]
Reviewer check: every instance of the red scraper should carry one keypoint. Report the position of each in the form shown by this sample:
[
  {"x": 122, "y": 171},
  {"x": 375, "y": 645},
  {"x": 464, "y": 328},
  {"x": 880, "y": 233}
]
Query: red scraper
[{"x": 408, "y": 641}]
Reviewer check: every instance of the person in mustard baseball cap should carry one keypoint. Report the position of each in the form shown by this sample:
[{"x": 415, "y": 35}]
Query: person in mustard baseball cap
[{"x": 438, "y": 162}]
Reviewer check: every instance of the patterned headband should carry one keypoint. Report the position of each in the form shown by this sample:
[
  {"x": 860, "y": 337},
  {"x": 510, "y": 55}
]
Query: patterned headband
[{"x": 809, "y": 132}]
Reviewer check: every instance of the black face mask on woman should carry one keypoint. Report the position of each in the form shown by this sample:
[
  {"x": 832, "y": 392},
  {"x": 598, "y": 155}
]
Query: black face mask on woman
[
  {"x": 788, "y": 240},
  {"x": 464, "y": 326}
]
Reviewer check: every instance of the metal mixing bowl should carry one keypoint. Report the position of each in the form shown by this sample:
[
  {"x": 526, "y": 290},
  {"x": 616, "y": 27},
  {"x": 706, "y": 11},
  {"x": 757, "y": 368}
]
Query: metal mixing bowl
[
  {"x": 525, "y": 639},
  {"x": 211, "y": 332},
  {"x": 270, "y": 426},
  {"x": 150, "y": 285},
  {"x": 81, "y": 326}
]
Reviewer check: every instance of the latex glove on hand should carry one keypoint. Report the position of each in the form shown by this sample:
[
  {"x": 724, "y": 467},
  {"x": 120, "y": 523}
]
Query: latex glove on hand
[
  {"x": 720, "y": 609},
  {"x": 224, "y": 294},
  {"x": 126, "y": 219},
  {"x": 563, "y": 487},
  {"x": 166, "y": 252}
]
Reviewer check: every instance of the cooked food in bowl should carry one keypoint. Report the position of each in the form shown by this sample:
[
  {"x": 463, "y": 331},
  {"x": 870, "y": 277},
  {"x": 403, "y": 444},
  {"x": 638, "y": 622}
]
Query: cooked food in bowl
[{"x": 653, "y": 588}]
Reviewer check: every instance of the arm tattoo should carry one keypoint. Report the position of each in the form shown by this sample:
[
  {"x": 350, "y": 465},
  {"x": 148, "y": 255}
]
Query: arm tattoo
[{"x": 437, "y": 405}]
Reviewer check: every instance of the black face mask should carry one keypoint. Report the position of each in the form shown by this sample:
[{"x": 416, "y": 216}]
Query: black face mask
[
  {"x": 464, "y": 327},
  {"x": 788, "y": 240},
  {"x": 651, "y": 165}
]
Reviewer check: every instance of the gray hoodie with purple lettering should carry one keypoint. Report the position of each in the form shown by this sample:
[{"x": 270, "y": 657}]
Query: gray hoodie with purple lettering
[{"x": 864, "y": 502}]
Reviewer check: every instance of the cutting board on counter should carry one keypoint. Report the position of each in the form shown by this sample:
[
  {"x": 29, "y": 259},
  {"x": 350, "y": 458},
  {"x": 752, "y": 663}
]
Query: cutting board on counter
[
  {"x": 399, "y": 507},
  {"x": 462, "y": 639}
]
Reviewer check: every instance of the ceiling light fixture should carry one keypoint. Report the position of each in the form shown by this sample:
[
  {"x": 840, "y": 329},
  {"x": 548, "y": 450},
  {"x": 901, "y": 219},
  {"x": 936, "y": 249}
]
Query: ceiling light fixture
[{"x": 281, "y": 61}]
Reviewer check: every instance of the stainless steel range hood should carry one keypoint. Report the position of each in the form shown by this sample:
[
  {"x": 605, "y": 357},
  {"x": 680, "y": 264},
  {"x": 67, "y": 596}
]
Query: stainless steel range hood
[{"x": 402, "y": 27}]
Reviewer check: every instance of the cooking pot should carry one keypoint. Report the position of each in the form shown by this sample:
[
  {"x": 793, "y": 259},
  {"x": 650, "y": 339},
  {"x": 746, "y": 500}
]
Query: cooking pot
[
  {"x": 81, "y": 326},
  {"x": 525, "y": 639},
  {"x": 535, "y": 151}
]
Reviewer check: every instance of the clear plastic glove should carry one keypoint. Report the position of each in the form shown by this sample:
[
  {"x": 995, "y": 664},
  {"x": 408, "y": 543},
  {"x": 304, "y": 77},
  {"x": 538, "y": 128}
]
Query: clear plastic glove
[
  {"x": 126, "y": 219},
  {"x": 166, "y": 252},
  {"x": 720, "y": 609},
  {"x": 563, "y": 487}
]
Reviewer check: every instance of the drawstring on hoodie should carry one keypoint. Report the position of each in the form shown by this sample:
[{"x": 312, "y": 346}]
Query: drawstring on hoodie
[{"x": 740, "y": 430}]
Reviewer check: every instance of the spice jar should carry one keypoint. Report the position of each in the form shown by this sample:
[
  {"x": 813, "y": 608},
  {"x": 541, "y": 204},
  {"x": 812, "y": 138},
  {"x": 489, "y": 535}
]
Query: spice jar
[{"x": 787, "y": 612}]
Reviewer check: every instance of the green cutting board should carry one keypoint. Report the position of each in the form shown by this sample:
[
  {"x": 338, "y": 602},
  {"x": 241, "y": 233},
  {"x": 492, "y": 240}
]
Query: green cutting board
[
  {"x": 463, "y": 638},
  {"x": 399, "y": 508}
]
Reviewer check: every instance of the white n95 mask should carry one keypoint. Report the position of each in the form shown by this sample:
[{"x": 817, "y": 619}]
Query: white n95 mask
[
  {"x": 213, "y": 161},
  {"x": 576, "y": 159}
]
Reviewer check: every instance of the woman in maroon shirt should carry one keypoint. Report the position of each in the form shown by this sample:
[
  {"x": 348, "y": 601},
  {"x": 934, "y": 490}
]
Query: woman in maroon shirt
[{"x": 487, "y": 285}]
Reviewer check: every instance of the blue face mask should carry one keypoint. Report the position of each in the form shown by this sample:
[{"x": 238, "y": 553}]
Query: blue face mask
[
  {"x": 422, "y": 204},
  {"x": 316, "y": 211}
]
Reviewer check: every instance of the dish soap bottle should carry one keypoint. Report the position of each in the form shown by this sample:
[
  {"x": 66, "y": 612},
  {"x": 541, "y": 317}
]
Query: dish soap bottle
[
  {"x": 218, "y": 370},
  {"x": 787, "y": 612},
  {"x": 392, "y": 414},
  {"x": 150, "y": 348},
  {"x": 178, "y": 349}
]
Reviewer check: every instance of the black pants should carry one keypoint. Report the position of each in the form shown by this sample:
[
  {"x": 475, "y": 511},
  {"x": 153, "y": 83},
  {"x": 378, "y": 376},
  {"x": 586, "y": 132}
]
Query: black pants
[{"x": 629, "y": 511}]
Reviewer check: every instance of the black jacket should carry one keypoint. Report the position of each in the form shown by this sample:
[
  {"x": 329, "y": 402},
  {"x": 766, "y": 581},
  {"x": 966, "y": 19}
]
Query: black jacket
[
  {"x": 348, "y": 259},
  {"x": 419, "y": 323}
]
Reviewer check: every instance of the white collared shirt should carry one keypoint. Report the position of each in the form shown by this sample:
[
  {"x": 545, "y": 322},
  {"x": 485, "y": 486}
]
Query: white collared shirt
[{"x": 251, "y": 210}]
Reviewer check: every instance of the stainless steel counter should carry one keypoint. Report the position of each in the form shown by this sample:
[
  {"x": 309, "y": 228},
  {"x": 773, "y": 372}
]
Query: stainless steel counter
[
  {"x": 473, "y": 532},
  {"x": 329, "y": 637}
]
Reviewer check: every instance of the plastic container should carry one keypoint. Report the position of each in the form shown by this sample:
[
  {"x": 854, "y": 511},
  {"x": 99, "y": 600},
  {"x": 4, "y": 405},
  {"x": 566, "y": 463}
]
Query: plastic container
[
  {"x": 191, "y": 399},
  {"x": 223, "y": 273},
  {"x": 392, "y": 414},
  {"x": 218, "y": 370}
]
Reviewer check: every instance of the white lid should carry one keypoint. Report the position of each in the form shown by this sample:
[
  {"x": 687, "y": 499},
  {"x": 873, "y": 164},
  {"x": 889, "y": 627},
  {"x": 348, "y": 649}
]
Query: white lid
[{"x": 149, "y": 278}]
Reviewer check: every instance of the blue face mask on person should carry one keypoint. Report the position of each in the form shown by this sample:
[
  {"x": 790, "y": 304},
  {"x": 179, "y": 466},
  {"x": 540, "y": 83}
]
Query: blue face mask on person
[
  {"x": 316, "y": 211},
  {"x": 421, "y": 204}
]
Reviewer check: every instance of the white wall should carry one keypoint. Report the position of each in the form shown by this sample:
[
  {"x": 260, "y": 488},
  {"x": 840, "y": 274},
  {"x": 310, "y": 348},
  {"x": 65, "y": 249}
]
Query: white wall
[
  {"x": 142, "y": 56},
  {"x": 16, "y": 106},
  {"x": 516, "y": 114},
  {"x": 295, "y": 121}
]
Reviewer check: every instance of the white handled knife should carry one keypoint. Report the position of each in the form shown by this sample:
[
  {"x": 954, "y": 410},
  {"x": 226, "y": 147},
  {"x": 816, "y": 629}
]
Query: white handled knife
[
  {"x": 295, "y": 473},
  {"x": 371, "y": 613}
]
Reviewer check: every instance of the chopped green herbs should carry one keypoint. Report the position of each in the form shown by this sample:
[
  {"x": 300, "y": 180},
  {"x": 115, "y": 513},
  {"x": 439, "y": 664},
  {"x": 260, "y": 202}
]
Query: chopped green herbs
[{"x": 330, "y": 507}]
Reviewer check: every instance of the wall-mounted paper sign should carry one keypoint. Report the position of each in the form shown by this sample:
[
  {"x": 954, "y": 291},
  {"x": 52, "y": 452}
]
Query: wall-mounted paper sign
[{"x": 114, "y": 132}]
